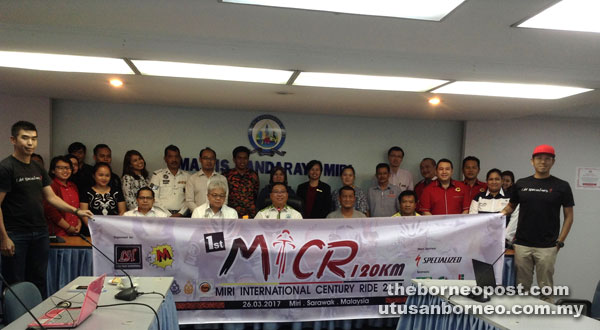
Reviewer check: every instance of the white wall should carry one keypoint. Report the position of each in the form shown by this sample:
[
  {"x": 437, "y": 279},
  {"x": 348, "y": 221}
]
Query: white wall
[
  {"x": 33, "y": 109},
  {"x": 360, "y": 141},
  {"x": 508, "y": 145}
]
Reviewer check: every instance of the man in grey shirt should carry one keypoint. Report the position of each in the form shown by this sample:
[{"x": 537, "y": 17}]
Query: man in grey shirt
[
  {"x": 383, "y": 198},
  {"x": 347, "y": 197}
]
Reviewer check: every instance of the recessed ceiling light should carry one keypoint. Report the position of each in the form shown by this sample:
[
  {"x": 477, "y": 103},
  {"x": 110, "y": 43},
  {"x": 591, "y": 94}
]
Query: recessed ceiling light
[
  {"x": 63, "y": 63},
  {"x": 216, "y": 72},
  {"x": 434, "y": 101},
  {"x": 386, "y": 83},
  {"x": 116, "y": 82},
  {"x": 431, "y": 10},
  {"x": 530, "y": 91},
  {"x": 570, "y": 15}
]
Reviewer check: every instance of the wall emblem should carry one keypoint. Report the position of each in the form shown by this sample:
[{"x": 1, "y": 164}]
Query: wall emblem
[{"x": 267, "y": 135}]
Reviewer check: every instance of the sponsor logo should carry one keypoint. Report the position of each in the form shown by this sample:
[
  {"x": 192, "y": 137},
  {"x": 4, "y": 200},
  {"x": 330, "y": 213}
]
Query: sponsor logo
[
  {"x": 128, "y": 256},
  {"x": 175, "y": 289},
  {"x": 266, "y": 134},
  {"x": 188, "y": 288},
  {"x": 442, "y": 260},
  {"x": 206, "y": 289},
  {"x": 418, "y": 259},
  {"x": 161, "y": 256},
  {"x": 214, "y": 242}
]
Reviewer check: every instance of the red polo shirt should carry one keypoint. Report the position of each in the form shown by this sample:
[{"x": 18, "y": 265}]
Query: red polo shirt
[
  {"x": 477, "y": 188},
  {"x": 437, "y": 200}
]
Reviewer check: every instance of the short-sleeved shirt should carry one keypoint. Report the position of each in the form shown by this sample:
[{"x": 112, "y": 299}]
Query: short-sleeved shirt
[
  {"x": 23, "y": 183},
  {"x": 402, "y": 178},
  {"x": 170, "y": 189},
  {"x": 337, "y": 214},
  {"x": 437, "y": 200},
  {"x": 153, "y": 212},
  {"x": 361, "y": 203},
  {"x": 68, "y": 193},
  {"x": 271, "y": 212},
  {"x": 384, "y": 202},
  {"x": 205, "y": 212},
  {"x": 102, "y": 204},
  {"x": 539, "y": 217}
]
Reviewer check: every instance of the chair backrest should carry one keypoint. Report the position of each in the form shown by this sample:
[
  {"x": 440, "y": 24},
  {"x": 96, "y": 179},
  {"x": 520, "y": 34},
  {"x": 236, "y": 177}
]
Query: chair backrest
[
  {"x": 294, "y": 202},
  {"x": 29, "y": 295},
  {"x": 595, "y": 313}
]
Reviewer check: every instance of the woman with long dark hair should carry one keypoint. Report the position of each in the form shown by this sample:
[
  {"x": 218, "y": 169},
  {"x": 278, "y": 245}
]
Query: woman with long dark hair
[{"x": 135, "y": 176}]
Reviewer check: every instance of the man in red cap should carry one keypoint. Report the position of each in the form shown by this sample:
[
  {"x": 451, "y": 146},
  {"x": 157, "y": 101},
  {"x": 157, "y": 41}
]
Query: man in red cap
[{"x": 539, "y": 236}]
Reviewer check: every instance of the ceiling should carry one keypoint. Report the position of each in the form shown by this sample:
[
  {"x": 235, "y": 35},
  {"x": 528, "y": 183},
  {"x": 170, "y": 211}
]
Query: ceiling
[{"x": 475, "y": 42}]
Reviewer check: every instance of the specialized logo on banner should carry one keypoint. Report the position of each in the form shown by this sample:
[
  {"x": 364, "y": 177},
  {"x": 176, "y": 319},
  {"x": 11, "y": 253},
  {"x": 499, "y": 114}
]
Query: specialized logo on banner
[
  {"x": 233, "y": 270},
  {"x": 267, "y": 134}
]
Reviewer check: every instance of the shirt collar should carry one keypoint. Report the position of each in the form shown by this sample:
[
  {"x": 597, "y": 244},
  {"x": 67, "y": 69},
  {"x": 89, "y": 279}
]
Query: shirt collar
[
  {"x": 210, "y": 213},
  {"x": 439, "y": 183},
  {"x": 501, "y": 192}
]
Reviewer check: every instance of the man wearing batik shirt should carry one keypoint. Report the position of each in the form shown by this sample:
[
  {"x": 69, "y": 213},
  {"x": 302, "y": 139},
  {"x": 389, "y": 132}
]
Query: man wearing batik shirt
[
  {"x": 470, "y": 167},
  {"x": 279, "y": 209},
  {"x": 243, "y": 184}
]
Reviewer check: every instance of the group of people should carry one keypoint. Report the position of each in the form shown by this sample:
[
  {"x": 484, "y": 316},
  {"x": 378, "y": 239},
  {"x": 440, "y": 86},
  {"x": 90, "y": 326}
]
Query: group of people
[{"x": 75, "y": 191}]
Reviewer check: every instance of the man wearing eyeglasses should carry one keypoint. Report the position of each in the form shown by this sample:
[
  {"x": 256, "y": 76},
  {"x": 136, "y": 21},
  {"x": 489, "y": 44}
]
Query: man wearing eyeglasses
[
  {"x": 279, "y": 209},
  {"x": 145, "y": 202},
  {"x": 215, "y": 206},
  {"x": 196, "y": 186}
]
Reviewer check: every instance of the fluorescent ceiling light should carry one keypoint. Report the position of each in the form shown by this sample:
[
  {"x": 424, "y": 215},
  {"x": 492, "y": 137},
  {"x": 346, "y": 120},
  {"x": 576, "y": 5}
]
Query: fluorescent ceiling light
[
  {"x": 431, "y": 10},
  {"x": 529, "y": 91},
  {"x": 385, "y": 83},
  {"x": 65, "y": 63},
  {"x": 216, "y": 72},
  {"x": 570, "y": 15}
]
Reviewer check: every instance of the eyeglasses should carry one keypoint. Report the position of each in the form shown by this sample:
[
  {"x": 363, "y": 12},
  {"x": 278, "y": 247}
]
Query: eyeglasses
[
  {"x": 146, "y": 198},
  {"x": 62, "y": 168},
  {"x": 222, "y": 196},
  {"x": 208, "y": 158}
]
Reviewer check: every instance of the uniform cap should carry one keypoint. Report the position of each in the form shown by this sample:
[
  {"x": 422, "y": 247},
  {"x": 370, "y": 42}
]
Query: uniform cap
[{"x": 544, "y": 149}]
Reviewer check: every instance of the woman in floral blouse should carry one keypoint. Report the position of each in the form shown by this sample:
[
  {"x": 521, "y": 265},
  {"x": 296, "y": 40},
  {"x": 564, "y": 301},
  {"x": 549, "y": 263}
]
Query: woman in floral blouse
[{"x": 135, "y": 176}]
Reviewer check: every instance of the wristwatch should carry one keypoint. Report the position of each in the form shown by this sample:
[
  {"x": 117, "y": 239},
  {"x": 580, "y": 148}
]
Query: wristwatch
[{"x": 560, "y": 244}]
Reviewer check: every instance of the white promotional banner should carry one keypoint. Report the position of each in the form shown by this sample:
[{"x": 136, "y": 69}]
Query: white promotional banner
[{"x": 294, "y": 270}]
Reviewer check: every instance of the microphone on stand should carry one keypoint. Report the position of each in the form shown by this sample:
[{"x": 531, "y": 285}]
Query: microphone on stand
[
  {"x": 128, "y": 294},
  {"x": 21, "y": 302}
]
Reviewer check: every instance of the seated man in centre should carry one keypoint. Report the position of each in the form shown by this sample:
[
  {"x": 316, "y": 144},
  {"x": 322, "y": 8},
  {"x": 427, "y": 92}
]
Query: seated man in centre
[
  {"x": 215, "y": 205},
  {"x": 347, "y": 197},
  {"x": 279, "y": 209}
]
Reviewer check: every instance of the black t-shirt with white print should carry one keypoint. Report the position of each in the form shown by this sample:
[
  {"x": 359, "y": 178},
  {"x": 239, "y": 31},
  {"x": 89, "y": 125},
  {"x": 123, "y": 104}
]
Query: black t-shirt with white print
[
  {"x": 539, "y": 215},
  {"x": 22, "y": 208}
]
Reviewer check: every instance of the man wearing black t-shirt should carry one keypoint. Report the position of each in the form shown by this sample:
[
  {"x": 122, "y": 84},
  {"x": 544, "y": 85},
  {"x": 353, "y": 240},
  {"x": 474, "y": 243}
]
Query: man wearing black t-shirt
[
  {"x": 539, "y": 236},
  {"x": 24, "y": 239}
]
